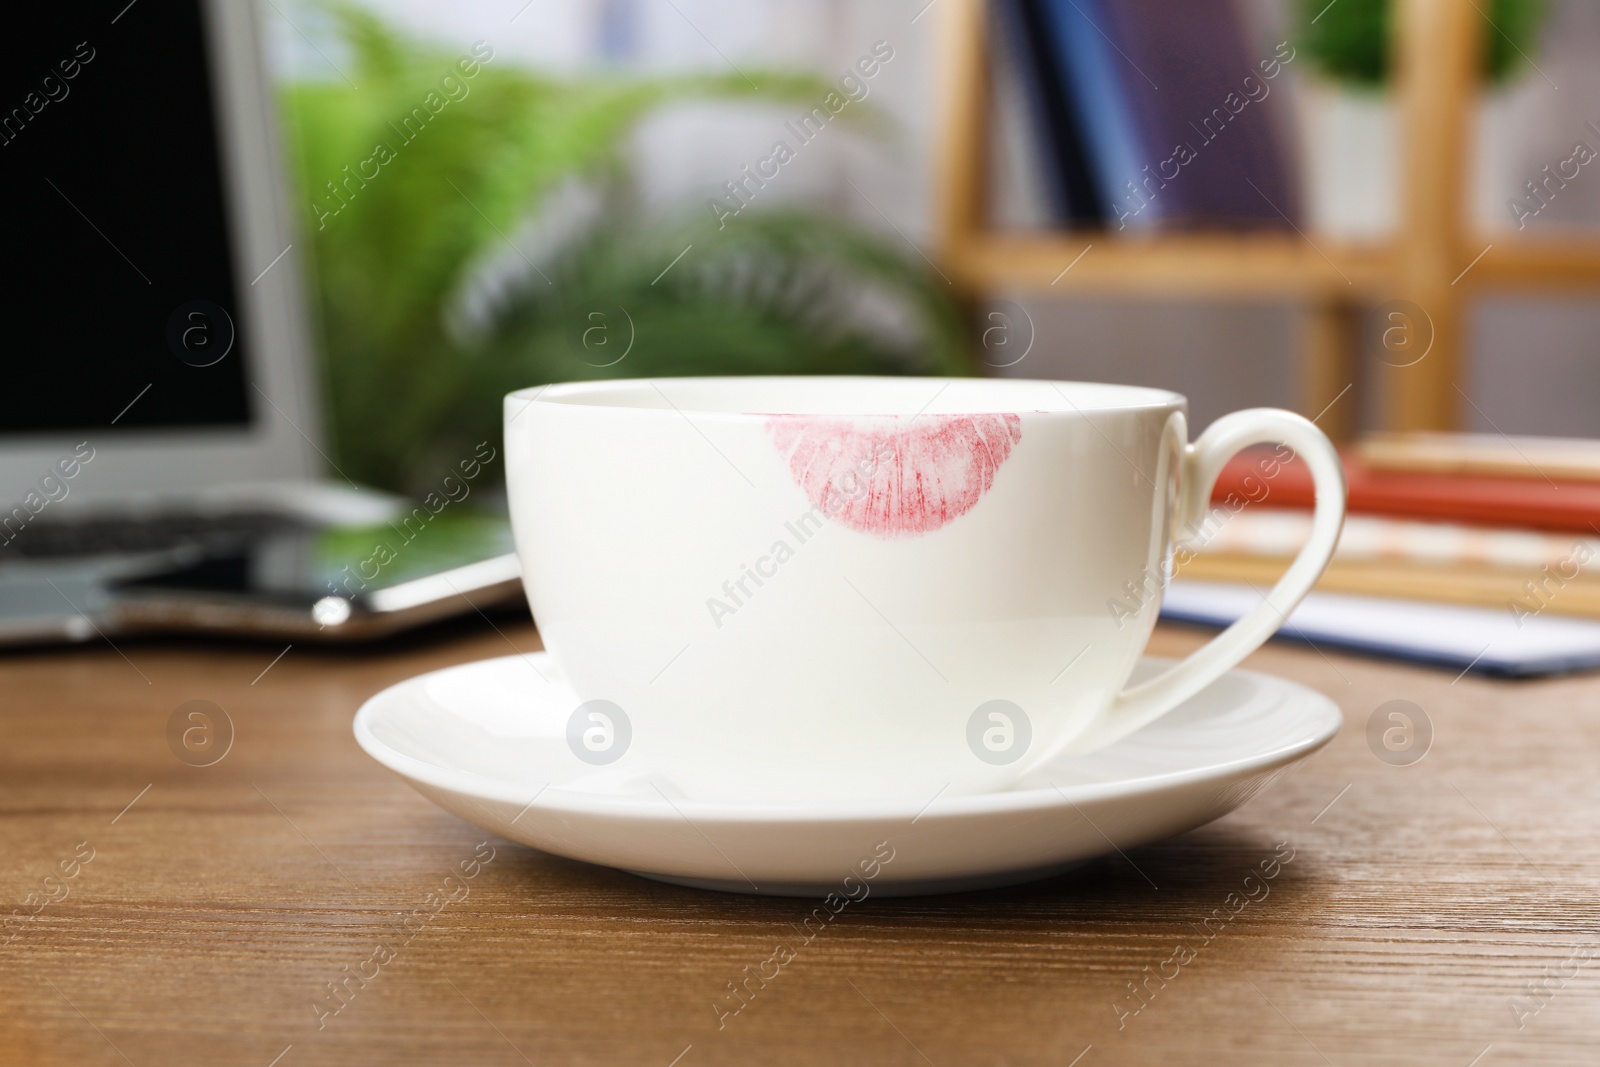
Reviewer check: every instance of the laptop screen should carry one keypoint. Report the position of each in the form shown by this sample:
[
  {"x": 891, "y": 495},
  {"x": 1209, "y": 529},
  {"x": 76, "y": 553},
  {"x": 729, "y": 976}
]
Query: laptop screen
[{"x": 121, "y": 304}]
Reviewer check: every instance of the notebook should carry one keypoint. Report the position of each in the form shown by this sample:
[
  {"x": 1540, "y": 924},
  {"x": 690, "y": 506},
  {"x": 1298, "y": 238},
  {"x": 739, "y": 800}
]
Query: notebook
[{"x": 1480, "y": 640}]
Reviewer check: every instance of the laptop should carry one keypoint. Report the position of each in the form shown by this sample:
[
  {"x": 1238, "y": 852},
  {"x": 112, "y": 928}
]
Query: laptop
[{"x": 162, "y": 465}]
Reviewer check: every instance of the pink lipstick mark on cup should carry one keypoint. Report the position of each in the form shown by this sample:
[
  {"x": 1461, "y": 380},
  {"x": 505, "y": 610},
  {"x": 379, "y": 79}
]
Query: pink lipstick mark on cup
[{"x": 878, "y": 477}]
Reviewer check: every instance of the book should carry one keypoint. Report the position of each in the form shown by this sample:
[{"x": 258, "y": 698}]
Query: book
[
  {"x": 1556, "y": 458},
  {"x": 1023, "y": 193},
  {"x": 1181, "y": 123},
  {"x": 1457, "y": 638},
  {"x": 1215, "y": 100},
  {"x": 1026, "y": 74},
  {"x": 1520, "y": 572},
  {"x": 1096, "y": 95},
  {"x": 1483, "y": 499},
  {"x": 1278, "y": 533},
  {"x": 1477, "y": 553}
]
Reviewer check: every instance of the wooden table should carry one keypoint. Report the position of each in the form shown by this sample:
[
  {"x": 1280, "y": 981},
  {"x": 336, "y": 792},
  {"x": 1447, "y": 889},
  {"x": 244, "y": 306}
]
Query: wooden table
[{"x": 1428, "y": 909}]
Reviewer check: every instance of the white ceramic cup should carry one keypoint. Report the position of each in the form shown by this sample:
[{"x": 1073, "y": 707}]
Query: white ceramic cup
[{"x": 865, "y": 588}]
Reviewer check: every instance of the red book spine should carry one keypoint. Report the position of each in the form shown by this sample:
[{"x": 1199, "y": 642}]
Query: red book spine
[{"x": 1489, "y": 501}]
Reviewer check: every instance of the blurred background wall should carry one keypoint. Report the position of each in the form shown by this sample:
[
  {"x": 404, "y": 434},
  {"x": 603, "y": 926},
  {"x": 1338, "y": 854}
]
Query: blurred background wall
[{"x": 1532, "y": 365}]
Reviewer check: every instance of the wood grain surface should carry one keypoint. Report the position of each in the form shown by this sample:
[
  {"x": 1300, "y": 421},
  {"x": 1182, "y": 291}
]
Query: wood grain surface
[{"x": 1438, "y": 913}]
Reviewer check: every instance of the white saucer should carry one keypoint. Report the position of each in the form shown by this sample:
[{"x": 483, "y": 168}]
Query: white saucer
[{"x": 487, "y": 741}]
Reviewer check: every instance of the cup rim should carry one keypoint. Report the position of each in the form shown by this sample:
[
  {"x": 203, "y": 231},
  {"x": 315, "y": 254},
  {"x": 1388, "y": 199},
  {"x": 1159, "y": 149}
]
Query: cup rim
[{"x": 622, "y": 395}]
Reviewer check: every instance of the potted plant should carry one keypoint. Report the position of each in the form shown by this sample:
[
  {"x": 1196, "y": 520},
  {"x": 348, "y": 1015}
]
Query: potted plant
[
  {"x": 1349, "y": 121},
  {"x": 474, "y": 228}
]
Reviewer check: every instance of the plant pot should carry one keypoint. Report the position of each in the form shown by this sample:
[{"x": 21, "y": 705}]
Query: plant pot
[
  {"x": 1350, "y": 160},
  {"x": 1351, "y": 157}
]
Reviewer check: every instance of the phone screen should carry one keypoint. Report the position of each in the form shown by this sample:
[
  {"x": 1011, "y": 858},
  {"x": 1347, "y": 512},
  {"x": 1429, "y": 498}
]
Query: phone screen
[{"x": 304, "y": 565}]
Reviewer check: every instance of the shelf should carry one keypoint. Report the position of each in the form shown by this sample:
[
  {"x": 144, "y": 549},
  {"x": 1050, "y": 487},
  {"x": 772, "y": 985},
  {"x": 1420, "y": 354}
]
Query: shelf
[
  {"x": 1564, "y": 263},
  {"x": 1433, "y": 260},
  {"x": 1251, "y": 267}
]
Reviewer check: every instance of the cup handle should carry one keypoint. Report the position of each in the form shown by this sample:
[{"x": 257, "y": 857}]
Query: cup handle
[{"x": 1202, "y": 463}]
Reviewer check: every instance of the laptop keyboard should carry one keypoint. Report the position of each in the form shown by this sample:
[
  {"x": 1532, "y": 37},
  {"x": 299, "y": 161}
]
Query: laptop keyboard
[{"x": 126, "y": 535}]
